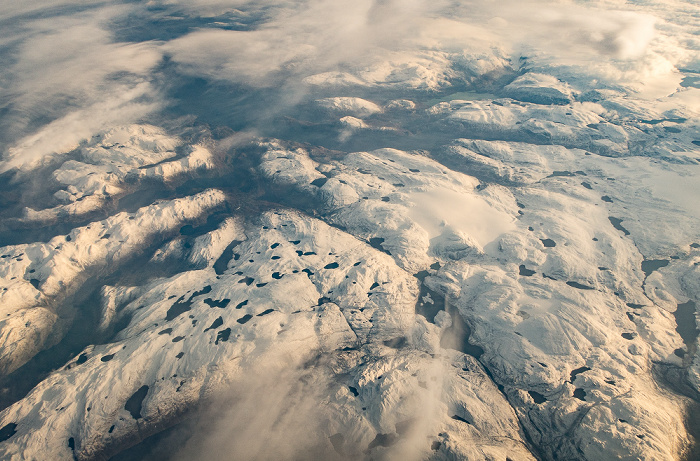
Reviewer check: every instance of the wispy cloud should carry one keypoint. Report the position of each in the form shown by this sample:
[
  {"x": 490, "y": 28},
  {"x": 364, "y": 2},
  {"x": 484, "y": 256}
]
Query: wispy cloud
[
  {"x": 310, "y": 37},
  {"x": 314, "y": 36},
  {"x": 10, "y": 10},
  {"x": 65, "y": 133},
  {"x": 67, "y": 79},
  {"x": 63, "y": 65},
  {"x": 274, "y": 412}
]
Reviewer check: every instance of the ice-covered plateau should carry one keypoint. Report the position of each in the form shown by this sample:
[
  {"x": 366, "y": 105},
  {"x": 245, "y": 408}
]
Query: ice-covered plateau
[{"x": 524, "y": 289}]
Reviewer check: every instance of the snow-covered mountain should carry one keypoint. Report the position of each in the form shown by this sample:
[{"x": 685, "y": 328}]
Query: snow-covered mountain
[{"x": 350, "y": 230}]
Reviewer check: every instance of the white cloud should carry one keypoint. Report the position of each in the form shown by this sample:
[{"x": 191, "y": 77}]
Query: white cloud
[
  {"x": 276, "y": 412},
  {"x": 306, "y": 38},
  {"x": 67, "y": 62},
  {"x": 315, "y": 36},
  {"x": 13, "y": 9},
  {"x": 65, "y": 133},
  {"x": 67, "y": 70}
]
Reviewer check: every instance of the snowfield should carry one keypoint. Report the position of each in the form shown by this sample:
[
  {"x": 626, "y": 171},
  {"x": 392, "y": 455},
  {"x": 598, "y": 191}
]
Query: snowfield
[{"x": 410, "y": 232}]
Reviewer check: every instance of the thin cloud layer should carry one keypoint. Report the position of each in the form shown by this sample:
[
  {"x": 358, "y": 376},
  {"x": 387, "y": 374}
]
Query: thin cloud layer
[
  {"x": 321, "y": 36},
  {"x": 300, "y": 40},
  {"x": 65, "y": 133},
  {"x": 68, "y": 67},
  {"x": 69, "y": 78}
]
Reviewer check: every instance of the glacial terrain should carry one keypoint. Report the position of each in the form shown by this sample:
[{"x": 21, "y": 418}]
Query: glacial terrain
[{"x": 376, "y": 230}]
